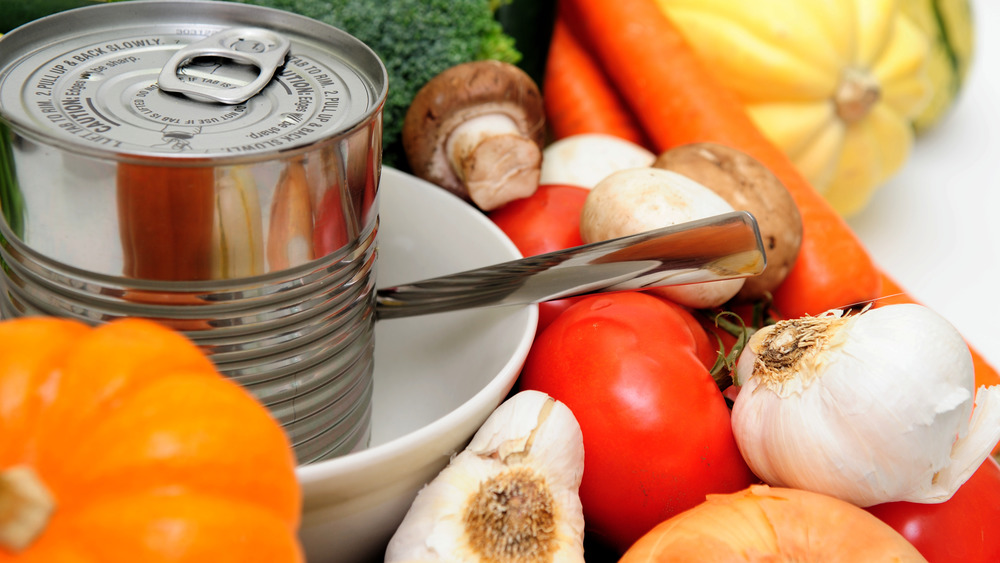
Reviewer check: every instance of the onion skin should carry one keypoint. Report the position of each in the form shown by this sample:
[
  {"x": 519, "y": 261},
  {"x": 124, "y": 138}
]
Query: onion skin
[{"x": 763, "y": 523}]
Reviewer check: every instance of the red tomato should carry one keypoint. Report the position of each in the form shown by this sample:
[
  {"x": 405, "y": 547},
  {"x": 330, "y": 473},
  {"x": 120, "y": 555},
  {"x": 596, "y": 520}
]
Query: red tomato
[
  {"x": 656, "y": 430},
  {"x": 546, "y": 221},
  {"x": 706, "y": 345},
  {"x": 964, "y": 529}
]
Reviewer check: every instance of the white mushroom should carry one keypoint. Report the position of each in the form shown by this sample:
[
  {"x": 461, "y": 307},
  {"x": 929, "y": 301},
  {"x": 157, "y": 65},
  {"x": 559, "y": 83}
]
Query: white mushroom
[
  {"x": 586, "y": 159},
  {"x": 477, "y": 130},
  {"x": 747, "y": 185},
  {"x": 634, "y": 201}
]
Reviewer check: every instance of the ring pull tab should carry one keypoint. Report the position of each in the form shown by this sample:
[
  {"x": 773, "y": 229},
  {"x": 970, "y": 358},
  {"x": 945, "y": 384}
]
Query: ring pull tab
[{"x": 261, "y": 48}]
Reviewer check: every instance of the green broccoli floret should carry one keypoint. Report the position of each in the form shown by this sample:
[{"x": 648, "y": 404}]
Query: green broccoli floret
[{"x": 416, "y": 40}]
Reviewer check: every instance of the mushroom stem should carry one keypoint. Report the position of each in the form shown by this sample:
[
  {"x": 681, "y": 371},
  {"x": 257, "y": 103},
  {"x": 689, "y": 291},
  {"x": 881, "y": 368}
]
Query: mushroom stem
[
  {"x": 496, "y": 162},
  {"x": 470, "y": 131},
  {"x": 25, "y": 507}
]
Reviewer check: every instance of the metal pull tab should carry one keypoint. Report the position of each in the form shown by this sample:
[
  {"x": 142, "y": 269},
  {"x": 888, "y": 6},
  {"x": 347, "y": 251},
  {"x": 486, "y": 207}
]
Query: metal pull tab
[{"x": 261, "y": 48}]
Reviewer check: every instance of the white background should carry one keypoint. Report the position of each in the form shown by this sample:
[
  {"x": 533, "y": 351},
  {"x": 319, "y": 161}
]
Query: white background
[{"x": 935, "y": 227}]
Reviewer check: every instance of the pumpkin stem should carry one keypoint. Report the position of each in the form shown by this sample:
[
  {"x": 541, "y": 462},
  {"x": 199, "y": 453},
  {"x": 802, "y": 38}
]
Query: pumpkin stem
[
  {"x": 25, "y": 507},
  {"x": 856, "y": 94}
]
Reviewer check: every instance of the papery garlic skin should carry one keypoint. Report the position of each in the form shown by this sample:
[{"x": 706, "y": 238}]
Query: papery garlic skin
[
  {"x": 526, "y": 458},
  {"x": 864, "y": 407}
]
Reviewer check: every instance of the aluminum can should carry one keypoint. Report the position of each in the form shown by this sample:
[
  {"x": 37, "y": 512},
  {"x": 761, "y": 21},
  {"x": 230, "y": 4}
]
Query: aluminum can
[{"x": 212, "y": 166}]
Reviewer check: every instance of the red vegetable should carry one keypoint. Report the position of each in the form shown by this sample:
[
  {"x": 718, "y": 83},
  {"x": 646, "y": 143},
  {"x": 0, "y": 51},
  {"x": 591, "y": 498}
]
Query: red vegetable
[
  {"x": 964, "y": 529},
  {"x": 678, "y": 102},
  {"x": 656, "y": 428},
  {"x": 546, "y": 221}
]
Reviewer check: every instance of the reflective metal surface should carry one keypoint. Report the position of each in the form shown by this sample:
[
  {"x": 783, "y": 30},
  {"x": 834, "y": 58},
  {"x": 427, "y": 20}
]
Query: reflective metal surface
[
  {"x": 248, "y": 226},
  {"x": 716, "y": 248}
]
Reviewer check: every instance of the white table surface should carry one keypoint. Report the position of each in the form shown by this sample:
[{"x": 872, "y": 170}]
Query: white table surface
[{"x": 935, "y": 227}]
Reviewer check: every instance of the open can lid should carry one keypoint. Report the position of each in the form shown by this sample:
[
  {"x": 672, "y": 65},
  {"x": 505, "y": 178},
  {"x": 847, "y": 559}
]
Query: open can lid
[{"x": 88, "y": 80}]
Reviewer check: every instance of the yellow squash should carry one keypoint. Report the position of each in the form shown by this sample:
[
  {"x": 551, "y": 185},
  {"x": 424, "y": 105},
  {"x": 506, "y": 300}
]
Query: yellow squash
[
  {"x": 835, "y": 83},
  {"x": 949, "y": 25}
]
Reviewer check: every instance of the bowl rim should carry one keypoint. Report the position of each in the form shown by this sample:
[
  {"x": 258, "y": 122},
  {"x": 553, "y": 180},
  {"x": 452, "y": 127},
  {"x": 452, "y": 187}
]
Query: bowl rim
[{"x": 421, "y": 436}]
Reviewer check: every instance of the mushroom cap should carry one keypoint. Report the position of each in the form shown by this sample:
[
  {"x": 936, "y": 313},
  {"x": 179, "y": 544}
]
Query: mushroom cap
[
  {"x": 747, "y": 185},
  {"x": 584, "y": 159},
  {"x": 637, "y": 200},
  {"x": 457, "y": 94}
]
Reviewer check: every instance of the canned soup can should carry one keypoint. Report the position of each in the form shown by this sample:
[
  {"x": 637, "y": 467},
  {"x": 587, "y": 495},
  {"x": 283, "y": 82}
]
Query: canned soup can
[{"x": 212, "y": 166}]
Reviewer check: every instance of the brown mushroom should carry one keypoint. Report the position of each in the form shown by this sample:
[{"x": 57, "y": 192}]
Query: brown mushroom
[
  {"x": 477, "y": 130},
  {"x": 747, "y": 185}
]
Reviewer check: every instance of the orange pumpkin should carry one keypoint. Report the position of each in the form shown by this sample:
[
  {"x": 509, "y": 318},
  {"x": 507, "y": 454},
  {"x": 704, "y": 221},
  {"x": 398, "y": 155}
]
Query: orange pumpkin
[{"x": 123, "y": 443}]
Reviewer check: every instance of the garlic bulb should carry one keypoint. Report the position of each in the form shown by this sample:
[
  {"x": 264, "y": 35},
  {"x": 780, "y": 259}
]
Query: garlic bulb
[
  {"x": 511, "y": 495},
  {"x": 869, "y": 408}
]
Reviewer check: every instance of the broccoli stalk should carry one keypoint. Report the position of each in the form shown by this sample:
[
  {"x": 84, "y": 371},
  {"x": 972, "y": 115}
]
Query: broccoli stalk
[{"x": 416, "y": 40}]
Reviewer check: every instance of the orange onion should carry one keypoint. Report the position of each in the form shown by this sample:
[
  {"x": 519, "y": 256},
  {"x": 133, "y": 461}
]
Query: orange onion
[{"x": 763, "y": 523}]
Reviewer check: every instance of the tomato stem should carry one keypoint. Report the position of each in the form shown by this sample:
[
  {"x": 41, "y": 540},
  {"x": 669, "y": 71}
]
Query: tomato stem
[
  {"x": 725, "y": 364},
  {"x": 735, "y": 325}
]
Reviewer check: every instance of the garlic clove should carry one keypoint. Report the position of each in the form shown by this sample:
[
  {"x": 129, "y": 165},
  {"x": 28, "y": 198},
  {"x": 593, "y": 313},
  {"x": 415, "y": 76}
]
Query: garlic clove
[
  {"x": 511, "y": 495},
  {"x": 966, "y": 454},
  {"x": 869, "y": 408}
]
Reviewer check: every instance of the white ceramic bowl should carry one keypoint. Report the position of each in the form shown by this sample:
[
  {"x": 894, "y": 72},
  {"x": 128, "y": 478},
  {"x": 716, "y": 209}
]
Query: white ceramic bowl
[{"x": 437, "y": 377}]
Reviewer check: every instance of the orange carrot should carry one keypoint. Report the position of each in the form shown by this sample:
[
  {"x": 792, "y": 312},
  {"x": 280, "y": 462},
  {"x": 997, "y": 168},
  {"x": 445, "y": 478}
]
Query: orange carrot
[
  {"x": 578, "y": 98},
  {"x": 678, "y": 101}
]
